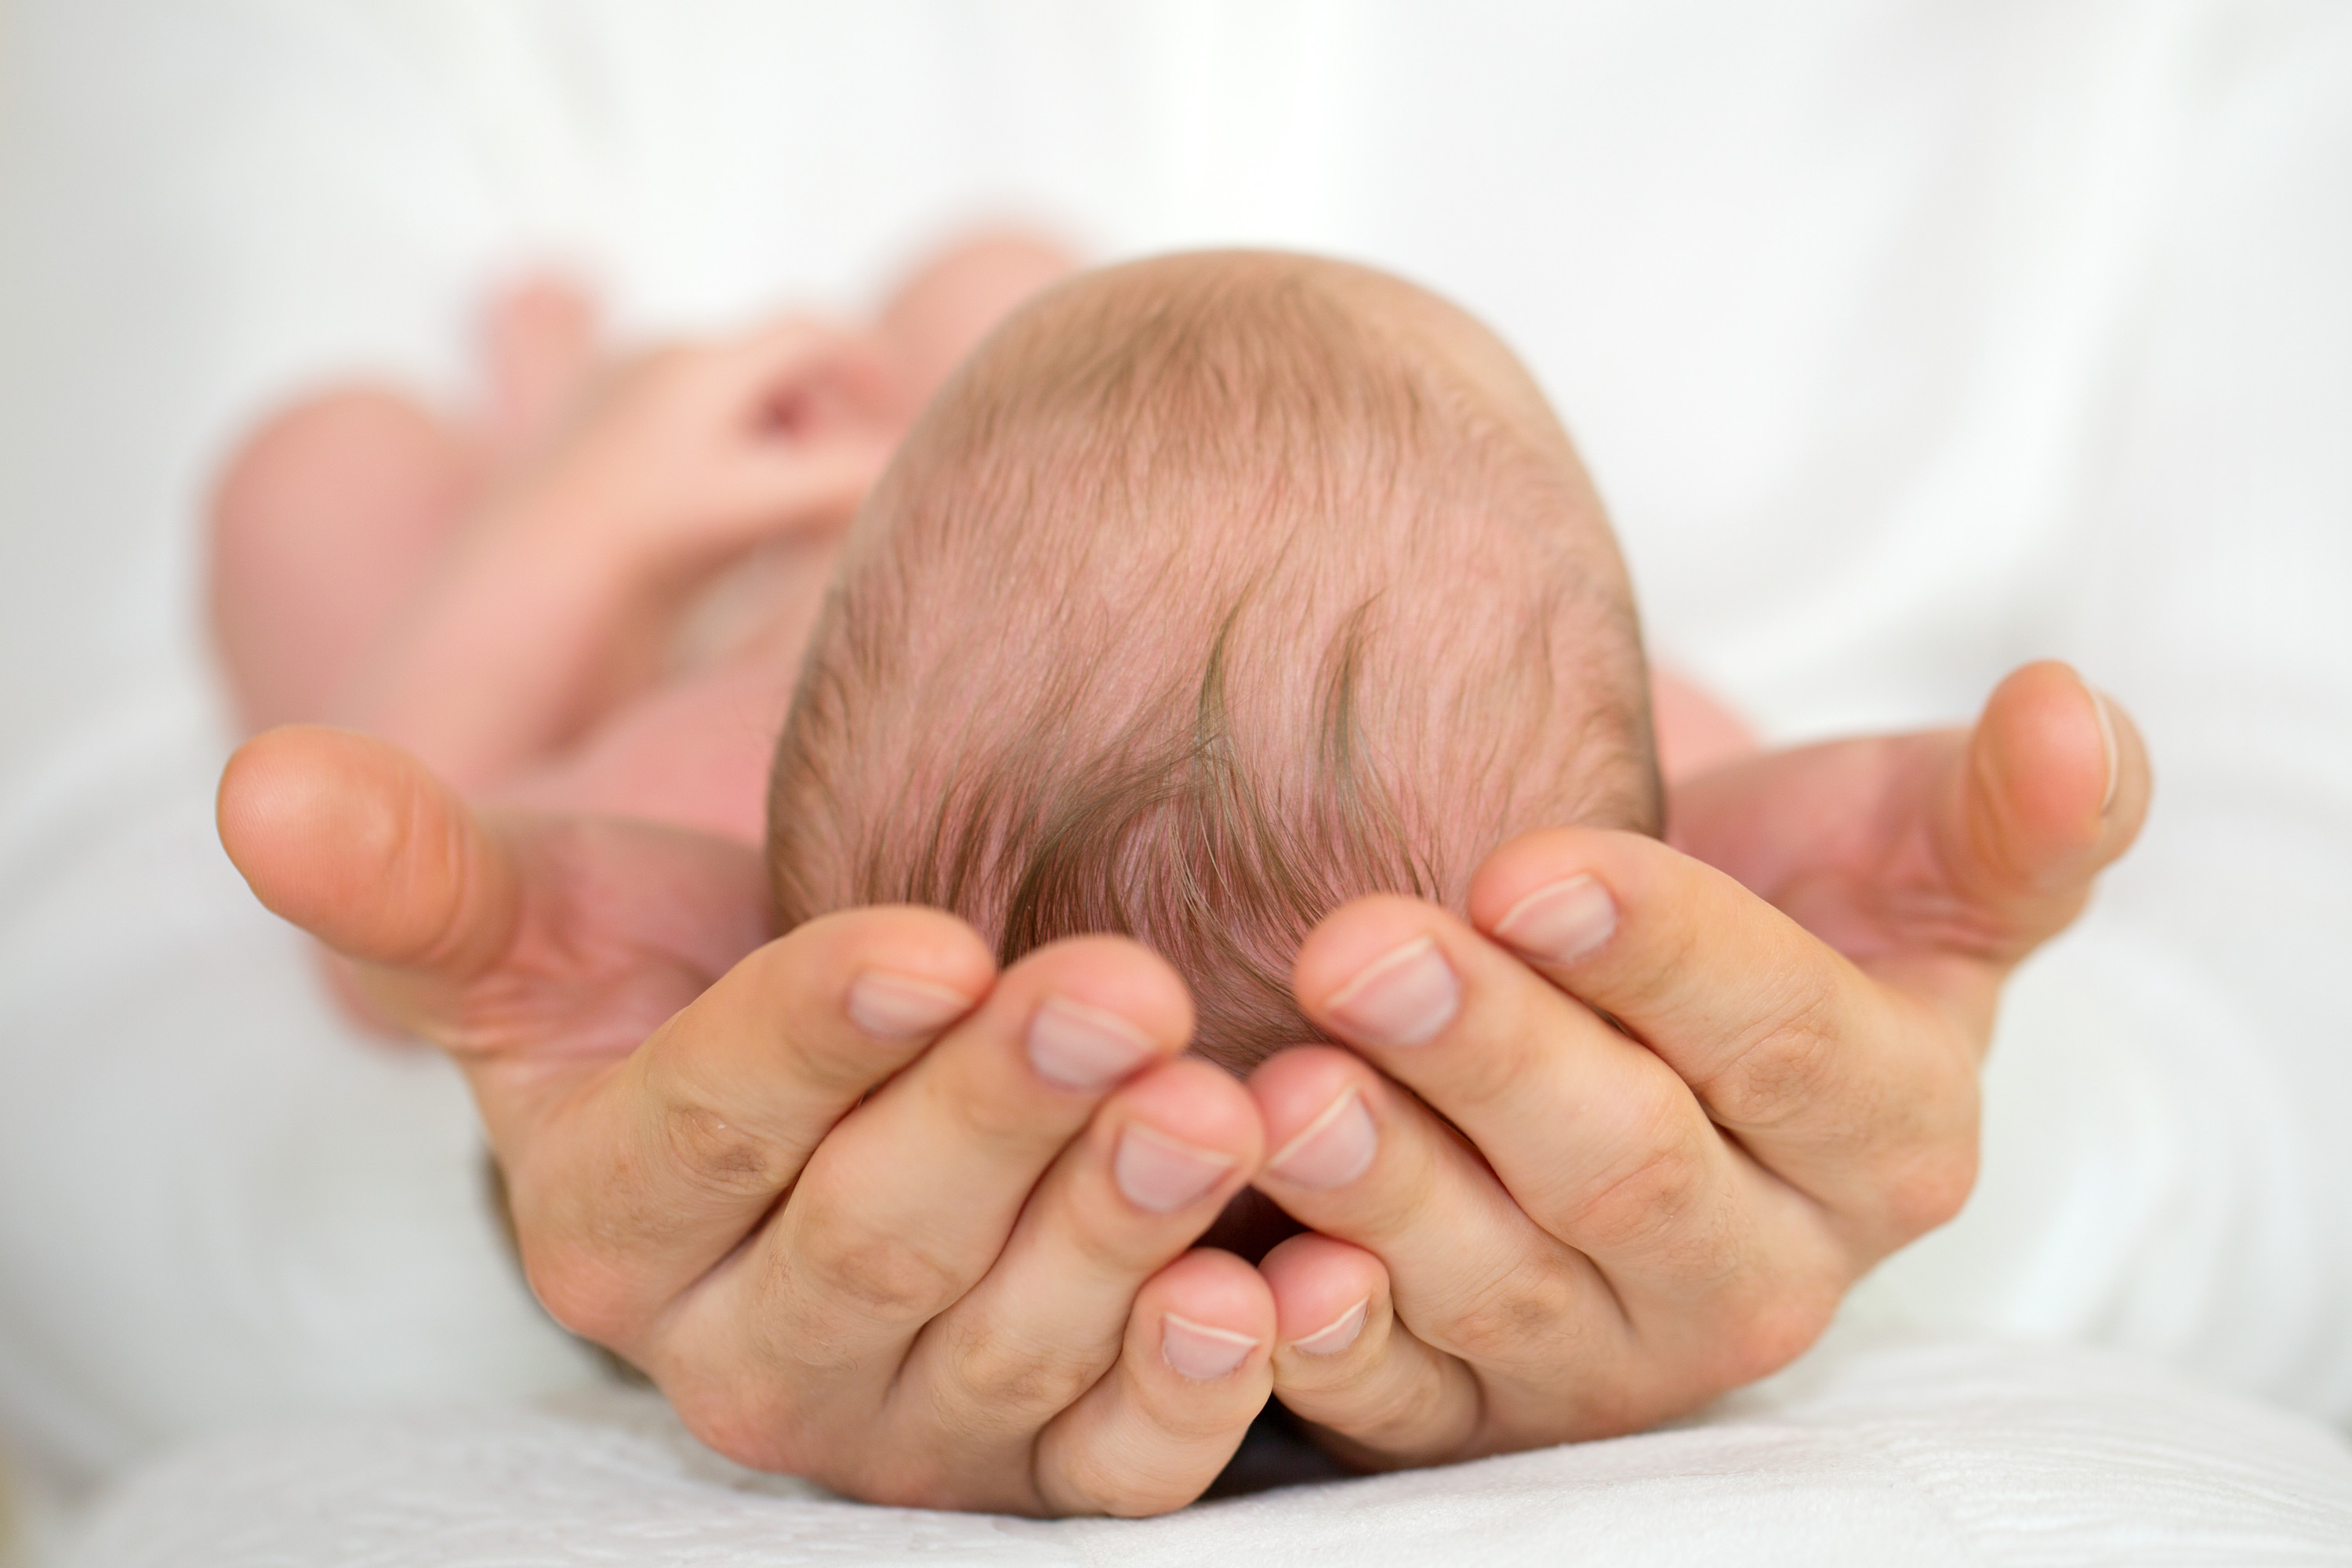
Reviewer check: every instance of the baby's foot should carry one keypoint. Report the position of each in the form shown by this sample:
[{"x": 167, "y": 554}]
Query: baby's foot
[
  {"x": 541, "y": 338},
  {"x": 955, "y": 298}
]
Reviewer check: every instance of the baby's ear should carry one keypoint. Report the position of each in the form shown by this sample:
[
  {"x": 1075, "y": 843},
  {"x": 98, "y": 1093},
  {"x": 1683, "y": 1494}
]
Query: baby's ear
[{"x": 352, "y": 839}]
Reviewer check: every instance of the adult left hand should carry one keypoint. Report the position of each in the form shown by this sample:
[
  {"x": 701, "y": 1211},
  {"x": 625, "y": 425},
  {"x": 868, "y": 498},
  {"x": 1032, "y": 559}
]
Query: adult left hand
[{"x": 1623, "y": 1139}]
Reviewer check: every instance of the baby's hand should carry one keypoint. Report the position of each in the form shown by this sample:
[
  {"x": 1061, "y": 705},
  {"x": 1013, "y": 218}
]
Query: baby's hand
[
  {"x": 689, "y": 455},
  {"x": 1623, "y": 1141},
  {"x": 564, "y": 595},
  {"x": 866, "y": 1210}
]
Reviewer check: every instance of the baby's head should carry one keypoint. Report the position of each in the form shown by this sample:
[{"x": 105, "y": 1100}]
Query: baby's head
[{"x": 1214, "y": 591}]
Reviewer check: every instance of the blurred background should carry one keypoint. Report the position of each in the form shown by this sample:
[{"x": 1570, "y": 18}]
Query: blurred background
[{"x": 1906, "y": 341}]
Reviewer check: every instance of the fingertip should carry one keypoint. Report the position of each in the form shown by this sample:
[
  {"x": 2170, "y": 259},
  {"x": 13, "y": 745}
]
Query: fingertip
[
  {"x": 2131, "y": 777},
  {"x": 1356, "y": 933},
  {"x": 1113, "y": 975},
  {"x": 1194, "y": 1369},
  {"x": 279, "y": 789},
  {"x": 352, "y": 839},
  {"x": 2056, "y": 768},
  {"x": 912, "y": 971},
  {"x": 1206, "y": 1318},
  {"x": 1315, "y": 1104},
  {"x": 1520, "y": 872},
  {"x": 1325, "y": 1292},
  {"x": 1198, "y": 1102}
]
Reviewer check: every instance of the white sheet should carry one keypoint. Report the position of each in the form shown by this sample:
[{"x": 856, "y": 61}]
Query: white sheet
[
  {"x": 1908, "y": 341},
  {"x": 1923, "y": 1454}
]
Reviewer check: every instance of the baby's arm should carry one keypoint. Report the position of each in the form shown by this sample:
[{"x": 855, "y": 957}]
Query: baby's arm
[{"x": 561, "y": 600}]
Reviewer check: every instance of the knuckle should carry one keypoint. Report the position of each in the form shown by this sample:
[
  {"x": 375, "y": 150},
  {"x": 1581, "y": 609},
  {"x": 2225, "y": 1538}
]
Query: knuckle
[
  {"x": 1656, "y": 972},
  {"x": 1005, "y": 1382},
  {"x": 1781, "y": 1073},
  {"x": 1496, "y": 1071},
  {"x": 865, "y": 1270},
  {"x": 1185, "y": 1418},
  {"x": 720, "y": 1157},
  {"x": 1392, "y": 1416},
  {"x": 998, "y": 1123},
  {"x": 1388, "y": 1419},
  {"x": 1535, "y": 1309},
  {"x": 1651, "y": 1204},
  {"x": 1098, "y": 1480}
]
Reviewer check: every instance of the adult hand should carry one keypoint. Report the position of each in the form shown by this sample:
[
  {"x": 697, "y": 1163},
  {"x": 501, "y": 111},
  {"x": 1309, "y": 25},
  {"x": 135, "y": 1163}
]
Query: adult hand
[
  {"x": 1620, "y": 1140},
  {"x": 863, "y": 1208}
]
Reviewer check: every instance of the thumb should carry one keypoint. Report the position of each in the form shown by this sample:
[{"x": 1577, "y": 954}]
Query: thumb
[
  {"x": 2054, "y": 786},
  {"x": 353, "y": 840}
]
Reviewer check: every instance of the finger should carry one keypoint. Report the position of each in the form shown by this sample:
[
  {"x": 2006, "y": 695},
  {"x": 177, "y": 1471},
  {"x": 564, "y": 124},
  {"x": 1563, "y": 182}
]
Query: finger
[
  {"x": 489, "y": 935},
  {"x": 1863, "y": 1097},
  {"x": 1342, "y": 1361},
  {"x": 1191, "y": 1376},
  {"x": 1592, "y": 1136},
  {"x": 630, "y": 1185},
  {"x": 1474, "y": 1273},
  {"x": 788, "y": 485},
  {"x": 1974, "y": 845},
  {"x": 795, "y": 354},
  {"x": 2055, "y": 785},
  {"x": 912, "y": 1197},
  {"x": 1149, "y": 1174},
  {"x": 352, "y": 839}
]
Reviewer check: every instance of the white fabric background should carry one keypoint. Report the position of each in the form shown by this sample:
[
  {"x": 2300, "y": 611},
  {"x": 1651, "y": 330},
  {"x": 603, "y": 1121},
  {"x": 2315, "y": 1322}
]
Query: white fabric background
[
  {"x": 1930, "y": 1456},
  {"x": 1908, "y": 341}
]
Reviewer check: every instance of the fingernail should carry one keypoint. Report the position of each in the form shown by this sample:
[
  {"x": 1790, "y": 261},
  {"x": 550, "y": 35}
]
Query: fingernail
[
  {"x": 1199, "y": 1352},
  {"x": 1077, "y": 1046},
  {"x": 1561, "y": 922},
  {"x": 899, "y": 1006},
  {"x": 1159, "y": 1173},
  {"x": 1401, "y": 999},
  {"x": 1332, "y": 1150},
  {"x": 1335, "y": 1335},
  {"x": 2108, "y": 745}
]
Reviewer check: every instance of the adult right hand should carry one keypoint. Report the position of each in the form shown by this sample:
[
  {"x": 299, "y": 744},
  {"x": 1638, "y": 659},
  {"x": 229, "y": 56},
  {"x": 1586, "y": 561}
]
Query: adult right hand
[
  {"x": 865, "y": 1209},
  {"x": 1619, "y": 1141}
]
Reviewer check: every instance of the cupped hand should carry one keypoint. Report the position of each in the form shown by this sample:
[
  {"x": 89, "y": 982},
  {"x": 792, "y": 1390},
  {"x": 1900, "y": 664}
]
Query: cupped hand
[
  {"x": 1621, "y": 1140},
  {"x": 863, "y": 1208}
]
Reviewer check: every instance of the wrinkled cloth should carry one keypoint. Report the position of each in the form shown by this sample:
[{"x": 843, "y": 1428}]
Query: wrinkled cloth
[{"x": 1926, "y": 1455}]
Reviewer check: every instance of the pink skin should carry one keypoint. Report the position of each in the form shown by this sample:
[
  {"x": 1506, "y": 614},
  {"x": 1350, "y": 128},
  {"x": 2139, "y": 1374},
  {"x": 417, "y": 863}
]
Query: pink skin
[
  {"x": 490, "y": 591},
  {"x": 593, "y": 978}
]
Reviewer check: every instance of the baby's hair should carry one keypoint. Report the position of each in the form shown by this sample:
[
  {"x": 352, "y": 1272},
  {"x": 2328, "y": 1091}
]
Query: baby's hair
[{"x": 1214, "y": 591}]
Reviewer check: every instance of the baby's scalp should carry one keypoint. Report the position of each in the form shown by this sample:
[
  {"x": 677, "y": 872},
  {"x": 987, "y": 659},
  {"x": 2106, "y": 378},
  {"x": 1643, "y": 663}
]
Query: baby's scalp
[{"x": 1214, "y": 591}]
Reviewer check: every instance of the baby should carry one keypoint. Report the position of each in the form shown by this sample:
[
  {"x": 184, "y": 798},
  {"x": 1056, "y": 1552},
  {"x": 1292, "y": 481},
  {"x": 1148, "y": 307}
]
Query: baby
[
  {"x": 507, "y": 590},
  {"x": 1214, "y": 591},
  {"x": 1208, "y": 593}
]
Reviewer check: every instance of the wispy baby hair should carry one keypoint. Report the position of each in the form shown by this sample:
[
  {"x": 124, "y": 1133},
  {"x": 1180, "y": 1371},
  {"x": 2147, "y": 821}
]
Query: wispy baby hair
[{"x": 1213, "y": 592}]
